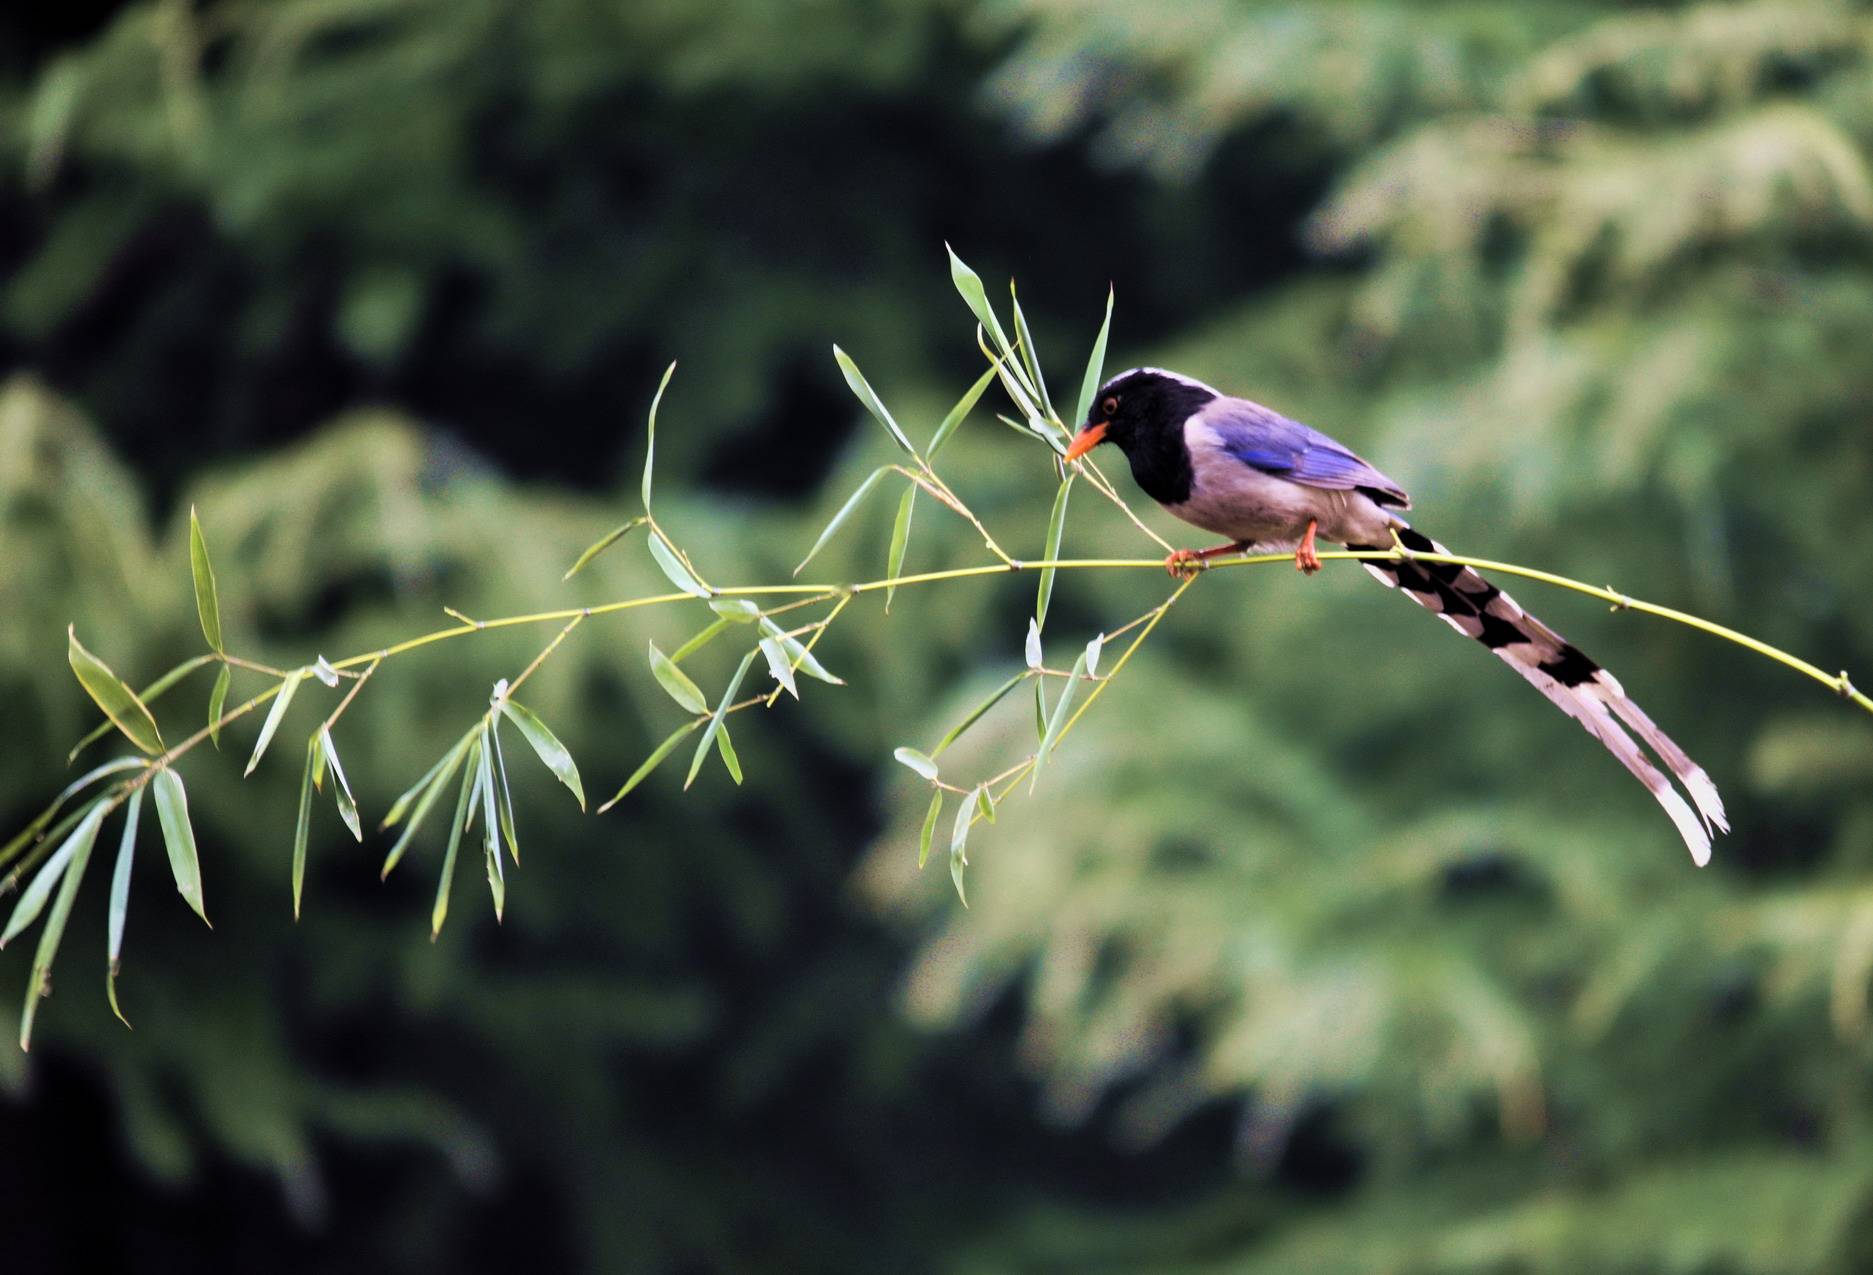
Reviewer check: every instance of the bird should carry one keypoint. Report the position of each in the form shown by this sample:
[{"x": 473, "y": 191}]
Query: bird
[{"x": 1270, "y": 484}]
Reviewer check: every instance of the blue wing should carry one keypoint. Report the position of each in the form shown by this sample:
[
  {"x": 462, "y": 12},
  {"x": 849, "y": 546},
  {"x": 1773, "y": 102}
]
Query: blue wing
[{"x": 1272, "y": 443}]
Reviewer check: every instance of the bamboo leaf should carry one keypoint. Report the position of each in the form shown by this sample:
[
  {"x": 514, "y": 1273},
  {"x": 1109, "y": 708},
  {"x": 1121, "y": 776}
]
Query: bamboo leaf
[
  {"x": 1056, "y": 529},
  {"x": 799, "y": 656},
  {"x": 32, "y": 830},
  {"x": 715, "y": 721},
  {"x": 289, "y": 686},
  {"x": 852, "y": 502},
  {"x": 959, "y": 840},
  {"x": 402, "y": 804},
  {"x": 1093, "y": 649},
  {"x": 33, "y": 898},
  {"x": 779, "y": 665},
  {"x": 918, "y": 762},
  {"x": 172, "y": 812},
  {"x": 900, "y": 540},
  {"x": 969, "y": 286},
  {"x": 673, "y": 568},
  {"x": 962, "y": 409},
  {"x": 1095, "y": 367},
  {"x": 341, "y": 790},
  {"x": 37, "y": 985},
  {"x": 975, "y": 715},
  {"x": 651, "y": 762},
  {"x": 1030, "y": 357},
  {"x": 929, "y": 828},
  {"x": 674, "y": 680},
  {"x": 323, "y": 670},
  {"x": 869, "y": 397},
  {"x": 726, "y": 747},
  {"x": 1058, "y": 719},
  {"x": 120, "y": 899},
  {"x": 121, "y": 704},
  {"x": 149, "y": 695},
  {"x": 546, "y": 746},
  {"x": 985, "y": 804},
  {"x": 603, "y": 543},
  {"x": 431, "y": 785},
  {"x": 217, "y": 703},
  {"x": 735, "y": 610},
  {"x": 491, "y": 830},
  {"x": 505, "y": 795},
  {"x": 1032, "y": 649},
  {"x": 304, "y": 824},
  {"x": 650, "y": 432},
  {"x": 441, "y": 909},
  {"x": 207, "y": 601}
]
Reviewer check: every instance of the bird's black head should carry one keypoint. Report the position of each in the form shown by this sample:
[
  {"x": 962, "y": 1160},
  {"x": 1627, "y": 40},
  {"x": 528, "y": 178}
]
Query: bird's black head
[{"x": 1144, "y": 411}]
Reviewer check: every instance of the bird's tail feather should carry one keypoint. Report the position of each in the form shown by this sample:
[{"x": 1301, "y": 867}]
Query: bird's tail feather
[{"x": 1555, "y": 667}]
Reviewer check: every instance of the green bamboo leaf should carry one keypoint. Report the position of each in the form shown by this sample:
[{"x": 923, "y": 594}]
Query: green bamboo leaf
[
  {"x": 651, "y": 762},
  {"x": 959, "y": 840},
  {"x": 838, "y": 520},
  {"x": 402, "y": 804},
  {"x": 900, "y": 540},
  {"x": 431, "y": 785},
  {"x": 673, "y": 568},
  {"x": 798, "y": 655},
  {"x": 715, "y": 722},
  {"x": 1030, "y": 357},
  {"x": 32, "y": 830},
  {"x": 1095, "y": 367},
  {"x": 650, "y": 432},
  {"x": 975, "y": 714},
  {"x": 303, "y": 826},
  {"x": 289, "y": 686},
  {"x": 207, "y": 601},
  {"x": 726, "y": 747},
  {"x": 962, "y": 409},
  {"x": 603, "y": 543},
  {"x": 1040, "y": 709},
  {"x": 736, "y": 610},
  {"x": 33, "y": 899},
  {"x": 546, "y": 745},
  {"x": 869, "y": 397},
  {"x": 975, "y": 296},
  {"x": 1058, "y": 718},
  {"x": 1056, "y": 529},
  {"x": 504, "y": 793},
  {"x": 779, "y": 665},
  {"x": 491, "y": 832},
  {"x": 441, "y": 909},
  {"x": 121, "y": 704},
  {"x": 341, "y": 789},
  {"x": 120, "y": 899},
  {"x": 674, "y": 680},
  {"x": 149, "y": 695},
  {"x": 37, "y": 982},
  {"x": 929, "y": 828},
  {"x": 918, "y": 762},
  {"x": 985, "y": 804},
  {"x": 702, "y": 639},
  {"x": 172, "y": 812},
  {"x": 217, "y": 703}
]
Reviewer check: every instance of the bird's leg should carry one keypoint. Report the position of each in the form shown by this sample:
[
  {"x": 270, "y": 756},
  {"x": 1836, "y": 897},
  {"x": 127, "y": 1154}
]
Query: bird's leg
[
  {"x": 1306, "y": 559},
  {"x": 1187, "y": 562}
]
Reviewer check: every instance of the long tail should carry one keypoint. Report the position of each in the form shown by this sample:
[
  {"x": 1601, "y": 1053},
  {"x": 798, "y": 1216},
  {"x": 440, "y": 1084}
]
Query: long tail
[{"x": 1555, "y": 667}]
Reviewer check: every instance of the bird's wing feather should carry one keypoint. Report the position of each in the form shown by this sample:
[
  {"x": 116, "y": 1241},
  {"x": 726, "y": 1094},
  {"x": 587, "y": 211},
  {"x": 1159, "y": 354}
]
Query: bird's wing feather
[{"x": 1272, "y": 443}]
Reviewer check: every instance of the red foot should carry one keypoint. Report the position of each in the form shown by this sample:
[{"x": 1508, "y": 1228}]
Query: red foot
[
  {"x": 1306, "y": 559},
  {"x": 1187, "y": 562}
]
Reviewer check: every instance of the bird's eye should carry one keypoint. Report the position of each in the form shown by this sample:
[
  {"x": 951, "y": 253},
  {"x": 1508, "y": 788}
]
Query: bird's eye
[{"x": 1111, "y": 406}]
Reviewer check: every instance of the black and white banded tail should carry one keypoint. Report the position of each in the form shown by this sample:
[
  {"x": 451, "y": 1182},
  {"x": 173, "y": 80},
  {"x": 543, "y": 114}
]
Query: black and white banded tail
[{"x": 1555, "y": 667}]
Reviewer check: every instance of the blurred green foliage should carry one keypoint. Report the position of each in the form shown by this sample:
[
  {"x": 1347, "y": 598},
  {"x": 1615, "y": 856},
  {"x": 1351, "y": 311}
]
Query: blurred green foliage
[{"x": 1323, "y": 945}]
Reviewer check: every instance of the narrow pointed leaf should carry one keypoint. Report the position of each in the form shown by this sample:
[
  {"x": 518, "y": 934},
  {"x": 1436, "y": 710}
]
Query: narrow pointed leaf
[
  {"x": 650, "y": 432},
  {"x": 401, "y": 805},
  {"x": 1032, "y": 648},
  {"x": 959, "y": 840},
  {"x": 736, "y": 610},
  {"x": 918, "y": 762},
  {"x": 798, "y": 655},
  {"x": 852, "y": 502},
  {"x": 674, "y": 680},
  {"x": 1093, "y": 649},
  {"x": 900, "y": 540},
  {"x": 1056, "y": 529},
  {"x": 217, "y": 703},
  {"x": 673, "y": 568},
  {"x": 708, "y": 634},
  {"x": 779, "y": 665},
  {"x": 289, "y": 686},
  {"x": 1058, "y": 718},
  {"x": 32, "y": 900},
  {"x": 964, "y": 406},
  {"x": 120, "y": 900},
  {"x": 969, "y": 286},
  {"x": 651, "y": 763},
  {"x": 121, "y": 704},
  {"x": 929, "y": 828},
  {"x": 504, "y": 796},
  {"x": 441, "y": 909},
  {"x": 603, "y": 543},
  {"x": 547, "y": 746},
  {"x": 341, "y": 787},
  {"x": 726, "y": 747},
  {"x": 81, "y": 842},
  {"x": 303, "y": 826},
  {"x": 869, "y": 397},
  {"x": 1030, "y": 357},
  {"x": 207, "y": 601},
  {"x": 985, "y": 804},
  {"x": 975, "y": 714},
  {"x": 323, "y": 670},
  {"x": 172, "y": 812},
  {"x": 149, "y": 695},
  {"x": 1095, "y": 368},
  {"x": 76, "y": 786},
  {"x": 490, "y": 816},
  {"x": 432, "y": 785},
  {"x": 715, "y": 721},
  {"x": 491, "y": 837}
]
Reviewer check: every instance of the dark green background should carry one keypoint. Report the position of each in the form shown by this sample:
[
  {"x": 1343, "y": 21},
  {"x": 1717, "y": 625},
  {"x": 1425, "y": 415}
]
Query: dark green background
[{"x": 1323, "y": 946}]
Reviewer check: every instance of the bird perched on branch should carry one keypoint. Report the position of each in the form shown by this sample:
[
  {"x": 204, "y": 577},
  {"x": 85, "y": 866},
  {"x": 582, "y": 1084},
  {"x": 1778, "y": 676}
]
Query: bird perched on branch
[{"x": 1236, "y": 468}]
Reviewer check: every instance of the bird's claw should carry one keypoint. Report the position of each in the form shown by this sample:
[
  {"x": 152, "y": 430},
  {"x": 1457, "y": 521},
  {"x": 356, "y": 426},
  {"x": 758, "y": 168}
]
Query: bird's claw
[
  {"x": 1184, "y": 563},
  {"x": 1306, "y": 557}
]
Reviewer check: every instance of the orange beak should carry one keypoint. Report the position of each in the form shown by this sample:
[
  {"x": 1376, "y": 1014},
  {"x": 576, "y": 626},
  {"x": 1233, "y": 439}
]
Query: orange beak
[{"x": 1087, "y": 439}]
